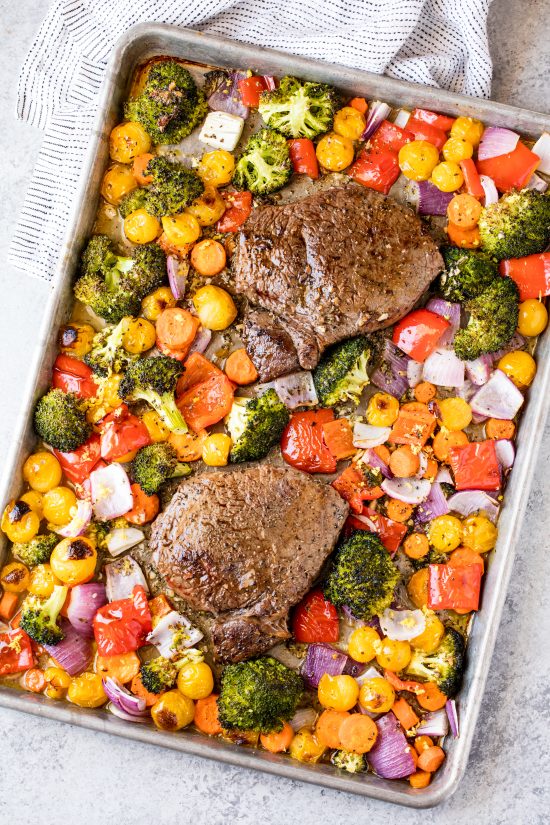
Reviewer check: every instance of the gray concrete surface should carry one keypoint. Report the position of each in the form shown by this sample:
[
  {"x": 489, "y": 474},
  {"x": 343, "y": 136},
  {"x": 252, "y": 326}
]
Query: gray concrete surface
[{"x": 58, "y": 773}]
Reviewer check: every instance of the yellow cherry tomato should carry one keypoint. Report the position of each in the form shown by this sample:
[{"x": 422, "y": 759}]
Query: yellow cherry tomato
[
  {"x": 42, "y": 581},
  {"x": 15, "y": 577},
  {"x": 417, "y": 159},
  {"x": 35, "y": 501},
  {"x": 117, "y": 181},
  {"x": 533, "y": 317},
  {"x": 382, "y": 409},
  {"x": 431, "y": 636},
  {"x": 59, "y": 504},
  {"x": 456, "y": 413},
  {"x": 349, "y": 123},
  {"x": 127, "y": 141},
  {"x": 480, "y": 534},
  {"x": 457, "y": 149},
  {"x": 86, "y": 691},
  {"x": 376, "y": 695},
  {"x": 195, "y": 680},
  {"x": 208, "y": 208},
  {"x": 216, "y": 168},
  {"x": 19, "y": 522},
  {"x": 362, "y": 644},
  {"x": 393, "y": 655},
  {"x": 305, "y": 747},
  {"x": 417, "y": 587},
  {"x": 215, "y": 307},
  {"x": 42, "y": 471},
  {"x": 181, "y": 229},
  {"x": 215, "y": 450},
  {"x": 58, "y": 682},
  {"x": 447, "y": 176},
  {"x": 139, "y": 336},
  {"x": 445, "y": 533},
  {"x": 156, "y": 302},
  {"x": 335, "y": 152},
  {"x": 520, "y": 367},
  {"x": 173, "y": 711},
  {"x": 73, "y": 560},
  {"x": 338, "y": 692},
  {"x": 157, "y": 429},
  {"x": 468, "y": 128},
  {"x": 76, "y": 339},
  {"x": 141, "y": 227}
]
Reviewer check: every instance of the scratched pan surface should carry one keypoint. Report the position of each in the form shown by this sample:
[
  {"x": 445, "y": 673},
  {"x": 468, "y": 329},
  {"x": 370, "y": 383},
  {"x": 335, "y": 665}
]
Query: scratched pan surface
[{"x": 137, "y": 45}]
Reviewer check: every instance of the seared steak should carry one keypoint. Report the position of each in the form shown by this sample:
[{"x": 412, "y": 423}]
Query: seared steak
[
  {"x": 244, "y": 546},
  {"x": 268, "y": 344},
  {"x": 338, "y": 263}
]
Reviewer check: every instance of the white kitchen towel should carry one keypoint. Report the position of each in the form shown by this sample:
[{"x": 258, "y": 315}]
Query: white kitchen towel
[{"x": 436, "y": 42}]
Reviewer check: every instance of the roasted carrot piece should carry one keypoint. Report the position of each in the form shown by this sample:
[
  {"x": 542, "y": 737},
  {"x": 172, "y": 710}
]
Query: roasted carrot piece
[
  {"x": 403, "y": 462},
  {"x": 328, "y": 727},
  {"x": 138, "y": 169},
  {"x": 188, "y": 446},
  {"x": 413, "y": 426},
  {"x": 360, "y": 104},
  {"x": 278, "y": 741},
  {"x": 208, "y": 257},
  {"x": 206, "y": 715},
  {"x": 145, "y": 507},
  {"x": 425, "y": 392},
  {"x": 420, "y": 779},
  {"x": 431, "y": 759},
  {"x": 463, "y": 556},
  {"x": 498, "y": 428},
  {"x": 358, "y": 733},
  {"x": 160, "y": 606},
  {"x": 405, "y": 714},
  {"x": 444, "y": 441},
  {"x": 34, "y": 680},
  {"x": 8, "y": 605},
  {"x": 176, "y": 328},
  {"x": 463, "y": 238},
  {"x": 430, "y": 697},
  {"x": 240, "y": 369},
  {"x": 464, "y": 211},
  {"x": 138, "y": 689},
  {"x": 398, "y": 510}
]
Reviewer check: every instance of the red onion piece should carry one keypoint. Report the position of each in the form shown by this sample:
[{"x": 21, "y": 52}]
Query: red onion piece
[
  {"x": 466, "y": 390},
  {"x": 366, "y": 436},
  {"x": 123, "y": 699},
  {"x": 372, "y": 459},
  {"x": 450, "y": 312},
  {"x": 128, "y": 717},
  {"x": 444, "y": 369},
  {"x": 122, "y": 576},
  {"x": 452, "y": 713},
  {"x": 542, "y": 149},
  {"x": 434, "y": 724},
  {"x": 321, "y": 659},
  {"x": 506, "y": 453},
  {"x": 537, "y": 183},
  {"x": 271, "y": 82},
  {"x": 444, "y": 476},
  {"x": 122, "y": 539},
  {"x": 296, "y": 390},
  {"x": 414, "y": 372},
  {"x": 479, "y": 371},
  {"x": 431, "y": 200},
  {"x": 402, "y": 625},
  {"x": 79, "y": 522},
  {"x": 201, "y": 340},
  {"x": 177, "y": 276},
  {"x": 422, "y": 464},
  {"x": 366, "y": 520},
  {"x": 490, "y": 189},
  {"x": 224, "y": 95},
  {"x": 402, "y": 118},
  {"x": 435, "y": 505},
  {"x": 377, "y": 112},
  {"x": 74, "y": 653},
  {"x": 86, "y": 599},
  {"x": 391, "y": 375},
  {"x": 496, "y": 141},
  {"x": 474, "y": 501},
  {"x": 162, "y": 635},
  {"x": 369, "y": 673},
  {"x": 498, "y": 398},
  {"x": 390, "y": 756},
  {"x": 517, "y": 341},
  {"x": 111, "y": 493},
  {"x": 409, "y": 490},
  {"x": 303, "y": 718}
]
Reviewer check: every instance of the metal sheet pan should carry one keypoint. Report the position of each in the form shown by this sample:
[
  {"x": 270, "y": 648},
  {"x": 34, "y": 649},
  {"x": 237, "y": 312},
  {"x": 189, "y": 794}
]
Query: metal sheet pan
[{"x": 139, "y": 44}]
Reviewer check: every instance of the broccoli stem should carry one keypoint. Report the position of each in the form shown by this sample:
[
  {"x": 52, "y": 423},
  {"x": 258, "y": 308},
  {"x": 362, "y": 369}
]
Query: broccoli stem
[{"x": 165, "y": 406}]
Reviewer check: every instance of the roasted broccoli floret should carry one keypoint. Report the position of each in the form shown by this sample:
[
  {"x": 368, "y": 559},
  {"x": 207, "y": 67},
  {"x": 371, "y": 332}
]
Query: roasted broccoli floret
[
  {"x": 60, "y": 421},
  {"x": 299, "y": 109},
  {"x": 518, "y": 225},
  {"x": 255, "y": 425},
  {"x": 173, "y": 187},
  {"x": 492, "y": 322},
  {"x": 341, "y": 374},
  {"x": 349, "y": 761},
  {"x": 39, "y": 617},
  {"x": 160, "y": 674},
  {"x": 467, "y": 273},
  {"x": 134, "y": 200},
  {"x": 107, "y": 354},
  {"x": 363, "y": 576},
  {"x": 170, "y": 105},
  {"x": 259, "y": 695},
  {"x": 36, "y": 551},
  {"x": 156, "y": 464},
  {"x": 114, "y": 286},
  {"x": 445, "y": 666},
  {"x": 154, "y": 380},
  {"x": 264, "y": 165}
]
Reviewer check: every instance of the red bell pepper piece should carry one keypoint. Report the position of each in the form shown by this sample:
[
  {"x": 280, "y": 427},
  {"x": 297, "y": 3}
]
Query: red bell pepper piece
[
  {"x": 204, "y": 394},
  {"x": 250, "y": 90},
  {"x": 78, "y": 465},
  {"x": 376, "y": 169},
  {"x": 354, "y": 487},
  {"x": 121, "y": 626},
  {"x": 531, "y": 274},
  {"x": 15, "y": 652},
  {"x": 303, "y": 157},
  {"x": 72, "y": 375},
  {"x": 425, "y": 131},
  {"x": 418, "y": 333},
  {"x": 472, "y": 181},
  {"x": 122, "y": 433},
  {"x": 512, "y": 170},
  {"x": 83, "y": 489},
  {"x": 391, "y": 532},
  {"x": 315, "y": 619},
  {"x": 443, "y": 122},
  {"x": 239, "y": 207},
  {"x": 454, "y": 588},
  {"x": 389, "y": 136},
  {"x": 475, "y": 466},
  {"x": 303, "y": 445}
]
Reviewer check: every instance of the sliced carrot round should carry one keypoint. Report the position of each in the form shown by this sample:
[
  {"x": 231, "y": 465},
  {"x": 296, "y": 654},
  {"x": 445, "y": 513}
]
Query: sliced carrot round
[
  {"x": 358, "y": 733},
  {"x": 208, "y": 257}
]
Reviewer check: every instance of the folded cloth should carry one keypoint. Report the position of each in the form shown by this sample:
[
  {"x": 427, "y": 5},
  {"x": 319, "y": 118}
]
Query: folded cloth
[{"x": 436, "y": 42}]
